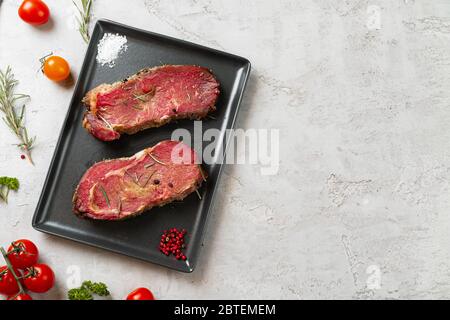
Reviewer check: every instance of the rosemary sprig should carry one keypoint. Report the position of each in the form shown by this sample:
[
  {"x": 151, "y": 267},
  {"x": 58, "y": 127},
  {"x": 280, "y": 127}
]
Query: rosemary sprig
[
  {"x": 143, "y": 97},
  {"x": 135, "y": 179},
  {"x": 84, "y": 18},
  {"x": 148, "y": 179},
  {"x": 13, "y": 117},
  {"x": 105, "y": 195},
  {"x": 140, "y": 97}
]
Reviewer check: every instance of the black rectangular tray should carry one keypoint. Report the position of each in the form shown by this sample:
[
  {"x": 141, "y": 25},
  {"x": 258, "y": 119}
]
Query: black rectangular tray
[{"x": 77, "y": 150}]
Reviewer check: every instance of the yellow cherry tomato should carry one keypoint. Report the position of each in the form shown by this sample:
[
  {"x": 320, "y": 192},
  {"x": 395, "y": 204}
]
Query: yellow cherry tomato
[{"x": 56, "y": 68}]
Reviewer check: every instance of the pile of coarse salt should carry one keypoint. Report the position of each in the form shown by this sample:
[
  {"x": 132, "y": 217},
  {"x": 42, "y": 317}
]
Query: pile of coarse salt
[{"x": 109, "y": 48}]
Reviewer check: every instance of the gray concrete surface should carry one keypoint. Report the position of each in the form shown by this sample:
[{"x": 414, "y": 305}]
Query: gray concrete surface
[{"x": 360, "y": 93}]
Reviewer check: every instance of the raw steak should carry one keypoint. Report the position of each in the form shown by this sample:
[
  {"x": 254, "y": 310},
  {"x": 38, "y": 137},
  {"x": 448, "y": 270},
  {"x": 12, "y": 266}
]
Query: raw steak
[
  {"x": 150, "y": 98},
  {"x": 122, "y": 188}
]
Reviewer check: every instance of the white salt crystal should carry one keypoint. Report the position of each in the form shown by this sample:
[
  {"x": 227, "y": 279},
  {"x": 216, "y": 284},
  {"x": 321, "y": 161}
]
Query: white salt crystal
[{"x": 109, "y": 48}]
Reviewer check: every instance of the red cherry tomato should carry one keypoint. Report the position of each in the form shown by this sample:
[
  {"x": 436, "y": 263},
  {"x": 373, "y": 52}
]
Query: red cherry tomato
[
  {"x": 22, "y": 296},
  {"x": 8, "y": 284},
  {"x": 23, "y": 253},
  {"x": 39, "y": 278},
  {"x": 141, "y": 294},
  {"x": 34, "y": 12}
]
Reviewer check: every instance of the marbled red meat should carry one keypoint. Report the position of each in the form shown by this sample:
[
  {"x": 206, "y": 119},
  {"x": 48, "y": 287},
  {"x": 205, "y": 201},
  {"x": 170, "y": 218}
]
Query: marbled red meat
[
  {"x": 150, "y": 98},
  {"x": 121, "y": 188}
]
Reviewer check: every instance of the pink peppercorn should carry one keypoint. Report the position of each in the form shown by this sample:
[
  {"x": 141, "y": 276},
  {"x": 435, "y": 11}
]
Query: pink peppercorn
[{"x": 172, "y": 242}]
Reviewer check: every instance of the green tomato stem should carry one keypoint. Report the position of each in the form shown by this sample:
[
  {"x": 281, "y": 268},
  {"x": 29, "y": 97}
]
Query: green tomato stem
[{"x": 11, "y": 269}]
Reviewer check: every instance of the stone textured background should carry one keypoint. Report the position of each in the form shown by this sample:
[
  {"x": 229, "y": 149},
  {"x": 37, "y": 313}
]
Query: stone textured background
[{"x": 360, "y": 205}]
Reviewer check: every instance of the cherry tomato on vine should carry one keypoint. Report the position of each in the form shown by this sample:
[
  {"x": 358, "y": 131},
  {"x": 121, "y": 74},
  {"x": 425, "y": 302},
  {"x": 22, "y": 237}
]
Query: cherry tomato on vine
[
  {"x": 22, "y": 296},
  {"x": 55, "y": 68},
  {"x": 8, "y": 284},
  {"x": 23, "y": 253},
  {"x": 34, "y": 12},
  {"x": 141, "y": 294},
  {"x": 39, "y": 278}
]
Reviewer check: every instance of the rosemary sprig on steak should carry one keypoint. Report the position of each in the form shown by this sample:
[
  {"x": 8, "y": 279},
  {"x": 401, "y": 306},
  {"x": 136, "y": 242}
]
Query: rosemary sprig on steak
[
  {"x": 13, "y": 115},
  {"x": 148, "y": 179},
  {"x": 84, "y": 18},
  {"x": 105, "y": 195},
  {"x": 145, "y": 97},
  {"x": 134, "y": 178},
  {"x": 142, "y": 97}
]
